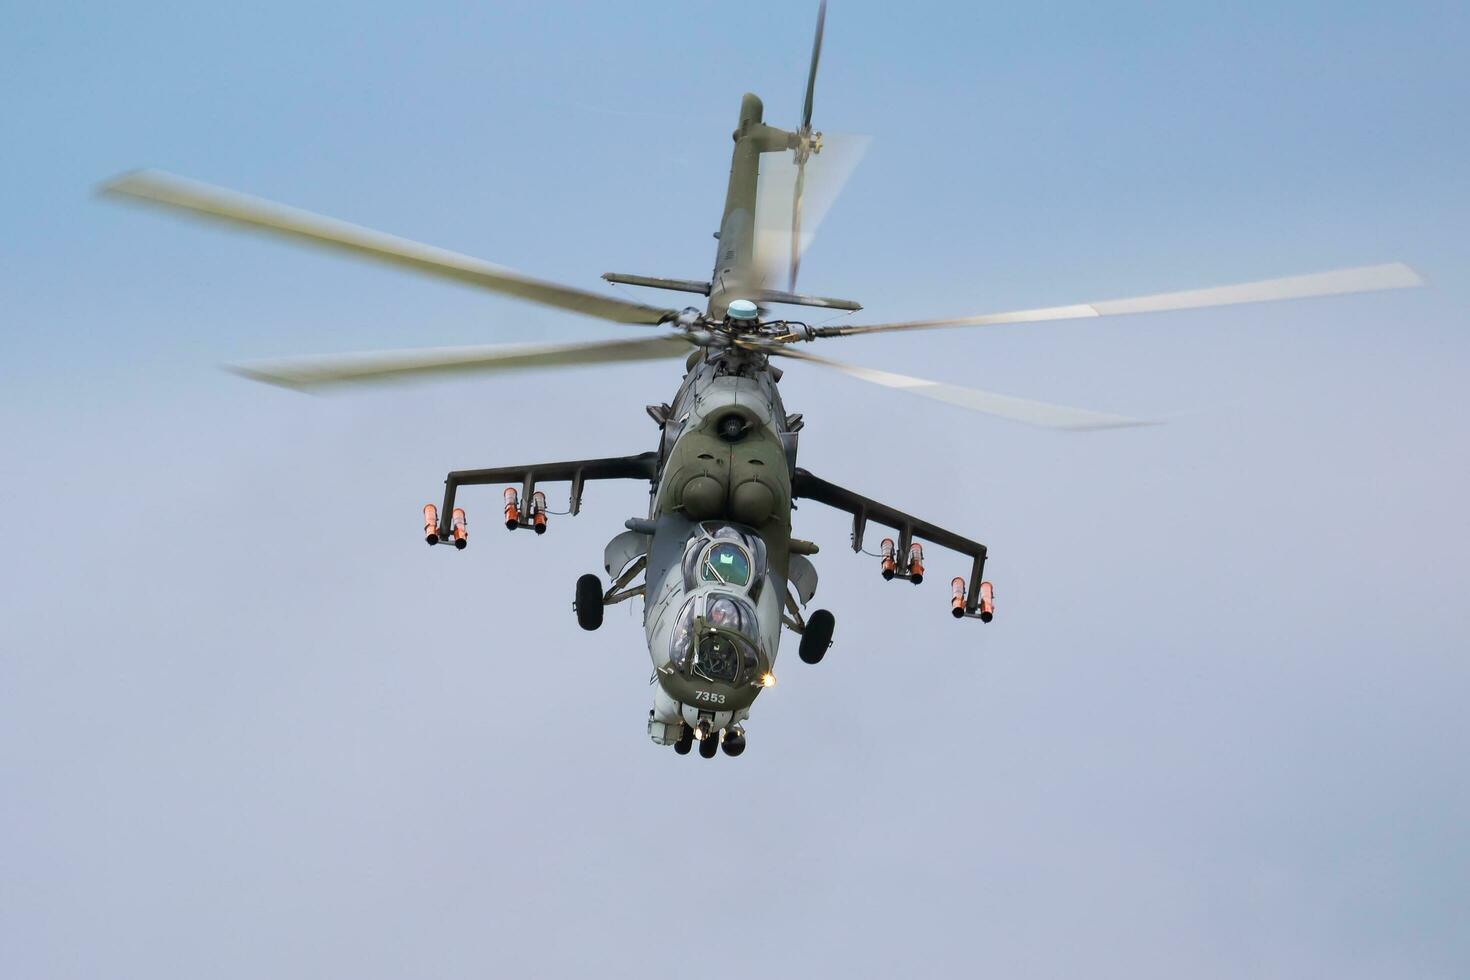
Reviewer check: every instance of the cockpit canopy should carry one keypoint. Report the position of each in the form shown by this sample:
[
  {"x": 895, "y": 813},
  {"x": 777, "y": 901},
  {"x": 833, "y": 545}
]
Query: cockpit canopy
[
  {"x": 714, "y": 639},
  {"x": 725, "y": 563},
  {"x": 726, "y": 555}
]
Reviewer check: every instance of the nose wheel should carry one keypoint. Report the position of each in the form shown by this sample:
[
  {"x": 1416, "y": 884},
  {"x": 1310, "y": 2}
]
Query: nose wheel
[
  {"x": 709, "y": 745},
  {"x": 685, "y": 741}
]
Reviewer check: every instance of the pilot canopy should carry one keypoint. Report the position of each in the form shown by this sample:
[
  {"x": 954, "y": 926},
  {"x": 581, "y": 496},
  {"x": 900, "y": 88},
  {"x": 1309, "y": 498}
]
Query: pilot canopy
[
  {"x": 725, "y": 555},
  {"x": 716, "y": 634}
]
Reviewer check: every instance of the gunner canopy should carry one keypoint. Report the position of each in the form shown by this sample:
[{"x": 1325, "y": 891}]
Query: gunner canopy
[{"x": 714, "y": 639}]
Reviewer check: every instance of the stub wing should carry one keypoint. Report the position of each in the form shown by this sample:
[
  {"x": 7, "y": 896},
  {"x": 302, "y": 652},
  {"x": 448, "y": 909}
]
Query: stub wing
[
  {"x": 643, "y": 466},
  {"x": 864, "y": 510}
]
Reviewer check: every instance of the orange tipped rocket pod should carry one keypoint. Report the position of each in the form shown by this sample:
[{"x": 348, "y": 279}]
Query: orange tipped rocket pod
[
  {"x": 889, "y": 565},
  {"x": 538, "y": 512},
  {"x": 987, "y": 602},
  {"x": 512, "y": 509}
]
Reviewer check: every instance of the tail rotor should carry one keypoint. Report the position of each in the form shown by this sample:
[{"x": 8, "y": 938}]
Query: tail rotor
[{"x": 807, "y": 143}]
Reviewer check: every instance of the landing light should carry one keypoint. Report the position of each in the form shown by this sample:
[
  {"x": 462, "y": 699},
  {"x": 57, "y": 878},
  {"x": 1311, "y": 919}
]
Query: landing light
[{"x": 768, "y": 679}]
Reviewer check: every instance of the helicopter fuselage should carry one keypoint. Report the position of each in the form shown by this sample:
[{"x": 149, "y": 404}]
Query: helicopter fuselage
[
  {"x": 719, "y": 546},
  {"x": 726, "y": 459}
]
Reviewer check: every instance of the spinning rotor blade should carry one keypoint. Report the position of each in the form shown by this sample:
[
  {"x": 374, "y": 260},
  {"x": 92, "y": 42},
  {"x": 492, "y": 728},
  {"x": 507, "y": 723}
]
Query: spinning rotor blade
[
  {"x": 793, "y": 198},
  {"x": 1362, "y": 279},
  {"x": 304, "y": 373},
  {"x": 1036, "y": 413},
  {"x": 156, "y": 187},
  {"x": 804, "y": 151},
  {"x": 811, "y": 78},
  {"x": 796, "y": 226}
]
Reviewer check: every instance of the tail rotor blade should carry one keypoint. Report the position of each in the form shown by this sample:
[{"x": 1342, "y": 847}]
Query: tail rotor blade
[
  {"x": 820, "y": 180},
  {"x": 811, "y": 78},
  {"x": 807, "y": 144},
  {"x": 796, "y": 226}
]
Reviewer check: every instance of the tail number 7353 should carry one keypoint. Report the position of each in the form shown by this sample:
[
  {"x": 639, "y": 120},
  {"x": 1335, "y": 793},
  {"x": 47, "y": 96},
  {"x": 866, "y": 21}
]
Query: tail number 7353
[{"x": 709, "y": 696}]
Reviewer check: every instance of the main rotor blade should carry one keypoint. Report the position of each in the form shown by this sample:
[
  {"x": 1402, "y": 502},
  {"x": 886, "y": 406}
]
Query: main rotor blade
[
  {"x": 1363, "y": 279},
  {"x": 205, "y": 200},
  {"x": 811, "y": 78},
  {"x": 1036, "y": 413},
  {"x": 305, "y": 373}
]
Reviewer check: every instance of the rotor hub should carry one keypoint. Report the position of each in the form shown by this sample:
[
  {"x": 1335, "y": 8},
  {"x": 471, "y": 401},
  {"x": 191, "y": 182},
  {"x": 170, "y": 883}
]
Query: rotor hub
[{"x": 808, "y": 144}]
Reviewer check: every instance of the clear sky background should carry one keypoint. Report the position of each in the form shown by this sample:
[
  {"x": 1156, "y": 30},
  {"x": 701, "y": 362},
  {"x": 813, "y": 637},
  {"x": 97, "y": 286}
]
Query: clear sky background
[{"x": 250, "y": 726}]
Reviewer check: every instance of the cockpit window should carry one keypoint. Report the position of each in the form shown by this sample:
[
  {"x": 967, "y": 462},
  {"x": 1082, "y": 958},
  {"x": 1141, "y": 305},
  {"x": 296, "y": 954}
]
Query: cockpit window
[
  {"x": 718, "y": 658},
  {"x": 722, "y": 613},
  {"x": 714, "y": 639},
  {"x": 727, "y": 564},
  {"x": 683, "y": 637},
  {"x": 726, "y": 555}
]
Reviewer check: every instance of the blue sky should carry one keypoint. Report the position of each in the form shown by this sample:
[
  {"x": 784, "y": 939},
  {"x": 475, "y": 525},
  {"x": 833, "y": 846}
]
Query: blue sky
[{"x": 250, "y": 726}]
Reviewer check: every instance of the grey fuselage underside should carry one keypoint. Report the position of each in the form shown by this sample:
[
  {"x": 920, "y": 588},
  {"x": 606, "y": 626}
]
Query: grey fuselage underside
[{"x": 707, "y": 479}]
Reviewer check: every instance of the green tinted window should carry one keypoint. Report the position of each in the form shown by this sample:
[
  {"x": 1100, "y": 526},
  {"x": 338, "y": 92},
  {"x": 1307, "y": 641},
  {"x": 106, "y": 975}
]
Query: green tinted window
[{"x": 726, "y": 563}]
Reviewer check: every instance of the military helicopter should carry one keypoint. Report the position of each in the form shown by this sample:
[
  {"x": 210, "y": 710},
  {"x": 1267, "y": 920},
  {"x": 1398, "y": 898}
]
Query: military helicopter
[{"x": 722, "y": 574}]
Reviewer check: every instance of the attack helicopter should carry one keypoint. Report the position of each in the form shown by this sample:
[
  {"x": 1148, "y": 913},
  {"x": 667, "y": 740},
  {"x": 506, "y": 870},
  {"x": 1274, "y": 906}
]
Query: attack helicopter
[{"x": 721, "y": 572}]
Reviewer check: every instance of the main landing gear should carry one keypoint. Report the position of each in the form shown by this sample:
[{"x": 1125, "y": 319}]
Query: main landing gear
[
  {"x": 817, "y": 637},
  {"x": 589, "y": 602}
]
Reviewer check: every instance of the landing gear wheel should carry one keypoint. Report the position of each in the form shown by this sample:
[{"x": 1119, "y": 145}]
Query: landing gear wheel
[
  {"x": 709, "y": 745},
  {"x": 685, "y": 740},
  {"x": 734, "y": 745},
  {"x": 589, "y": 602},
  {"x": 817, "y": 637}
]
